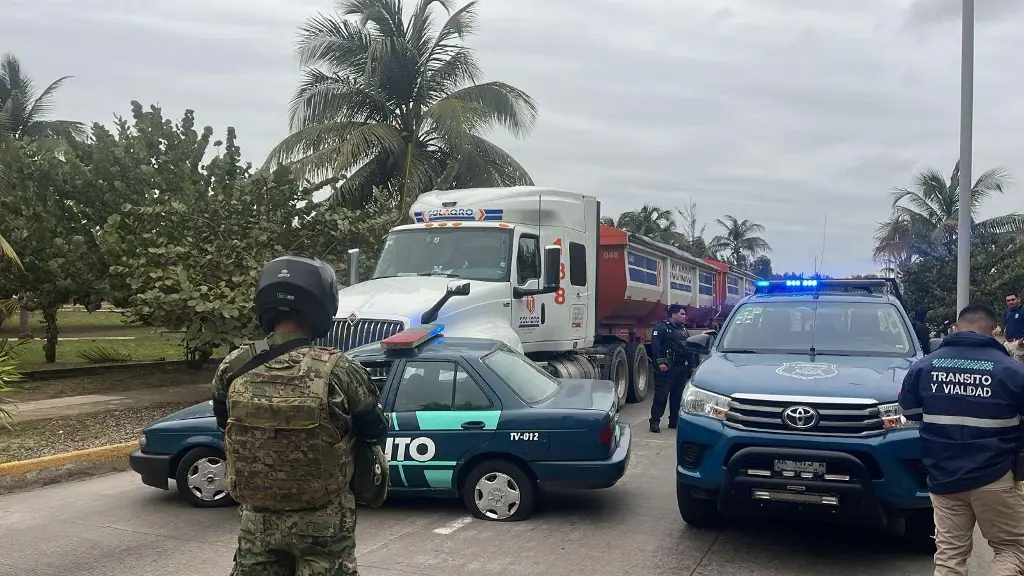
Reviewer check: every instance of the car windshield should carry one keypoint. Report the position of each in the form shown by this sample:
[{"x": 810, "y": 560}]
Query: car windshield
[
  {"x": 524, "y": 377},
  {"x": 849, "y": 328},
  {"x": 472, "y": 253}
]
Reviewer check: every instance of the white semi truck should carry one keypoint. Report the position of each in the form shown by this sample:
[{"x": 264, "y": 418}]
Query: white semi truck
[{"x": 524, "y": 265}]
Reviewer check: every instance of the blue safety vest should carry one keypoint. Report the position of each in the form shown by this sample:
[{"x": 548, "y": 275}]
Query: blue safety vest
[{"x": 968, "y": 396}]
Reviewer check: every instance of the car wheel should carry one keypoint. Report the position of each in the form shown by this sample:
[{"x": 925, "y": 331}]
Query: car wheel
[
  {"x": 499, "y": 490},
  {"x": 202, "y": 478},
  {"x": 618, "y": 373},
  {"x": 697, "y": 512},
  {"x": 919, "y": 533},
  {"x": 639, "y": 371}
]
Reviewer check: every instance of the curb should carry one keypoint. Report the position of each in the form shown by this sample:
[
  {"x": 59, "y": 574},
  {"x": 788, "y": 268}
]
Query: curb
[
  {"x": 39, "y": 472},
  {"x": 55, "y": 373}
]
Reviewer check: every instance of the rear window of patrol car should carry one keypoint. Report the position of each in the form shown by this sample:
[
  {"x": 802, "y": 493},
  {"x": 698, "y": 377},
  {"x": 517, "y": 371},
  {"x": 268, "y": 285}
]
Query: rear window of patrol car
[{"x": 524, "y": 377}]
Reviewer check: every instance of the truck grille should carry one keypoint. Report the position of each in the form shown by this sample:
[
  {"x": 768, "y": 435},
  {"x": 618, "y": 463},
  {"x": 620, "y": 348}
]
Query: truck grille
[
  {"x": 838, "y": 417},
  {"x": 346, "y": 335}
]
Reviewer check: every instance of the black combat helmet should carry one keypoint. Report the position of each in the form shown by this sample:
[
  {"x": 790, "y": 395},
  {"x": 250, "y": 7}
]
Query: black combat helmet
[{"x": 299, "y": 284}]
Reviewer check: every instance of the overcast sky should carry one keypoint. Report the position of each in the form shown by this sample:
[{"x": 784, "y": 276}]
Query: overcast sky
[{"x": 774, "y": 110}]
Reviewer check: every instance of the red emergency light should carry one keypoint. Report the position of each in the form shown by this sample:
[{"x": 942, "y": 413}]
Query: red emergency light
[{"x": 413, "y": 337}]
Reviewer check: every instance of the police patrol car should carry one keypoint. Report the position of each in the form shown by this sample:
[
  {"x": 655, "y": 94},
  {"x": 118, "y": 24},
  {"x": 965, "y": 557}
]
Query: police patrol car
[
  {"x": 470, "y": 418},
  {"x": 794, "y": 410}
]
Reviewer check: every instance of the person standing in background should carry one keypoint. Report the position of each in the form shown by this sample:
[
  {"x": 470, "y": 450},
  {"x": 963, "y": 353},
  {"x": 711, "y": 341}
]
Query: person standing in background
[{"x": 1013, "y": 326}]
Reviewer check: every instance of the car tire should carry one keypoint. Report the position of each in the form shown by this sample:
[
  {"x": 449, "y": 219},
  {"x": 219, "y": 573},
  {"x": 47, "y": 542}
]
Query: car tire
[
  {"x": 618, "y": 372},
  {"x": 919, "y": 532},
  {"x": 640, "y": 375},
  {"x": 697, "y": 512},
  {"x": 201, "y": 478},
  {"x": 492, "y": 485}
]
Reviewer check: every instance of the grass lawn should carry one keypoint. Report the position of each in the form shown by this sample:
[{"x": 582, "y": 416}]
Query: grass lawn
[
  {"x": 145, "y": 344},
  {"x": 109, "y": 382}
]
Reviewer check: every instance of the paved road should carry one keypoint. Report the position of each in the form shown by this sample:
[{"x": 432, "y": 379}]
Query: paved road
[{"x": 114, "y": 526}]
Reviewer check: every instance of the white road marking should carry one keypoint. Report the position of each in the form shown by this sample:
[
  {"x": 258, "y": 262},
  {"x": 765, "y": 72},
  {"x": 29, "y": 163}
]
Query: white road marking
[{"x": 454, "y": 525}]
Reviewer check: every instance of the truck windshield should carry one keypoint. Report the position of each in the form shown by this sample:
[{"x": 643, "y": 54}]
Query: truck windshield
[
  {"x": 524, "y": 377},
  {"x": 792, "y": 327},
  {"x": 472, "y": 253}
]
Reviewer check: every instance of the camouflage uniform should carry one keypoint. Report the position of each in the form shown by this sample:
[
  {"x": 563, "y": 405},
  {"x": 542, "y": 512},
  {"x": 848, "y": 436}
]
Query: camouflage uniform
[{"x": 317, "y": 541}]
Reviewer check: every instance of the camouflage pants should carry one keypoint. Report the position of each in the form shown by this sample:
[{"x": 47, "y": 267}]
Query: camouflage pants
[{"x": 306, "y": 543}]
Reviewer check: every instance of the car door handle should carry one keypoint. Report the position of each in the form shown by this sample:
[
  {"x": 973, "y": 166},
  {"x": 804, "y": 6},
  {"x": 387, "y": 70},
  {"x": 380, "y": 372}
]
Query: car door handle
[{"x": 473, "y": 425}]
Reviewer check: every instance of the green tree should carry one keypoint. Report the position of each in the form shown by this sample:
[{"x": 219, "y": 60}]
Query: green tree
[
  {"x": 607, "y": 221},
  {"x": 25, "y": 111},
  {"x": 762, "y": 267},
  {"x": 398, "y": 107},
  {"x": 655, "y": 222},
  {"x": 56, "y": 244},
  {"x": 189, "y": 257},
  {"x": 740, "y": 240},
  {"x": 691, "y": 238},
  {"x": 924, "y": 216}
]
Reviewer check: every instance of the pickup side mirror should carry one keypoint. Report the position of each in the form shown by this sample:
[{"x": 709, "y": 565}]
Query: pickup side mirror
[
  {"x": 933, "y": 345},
  {"x": 552, "y": 267},
  {"x": 458, "y": 288},
  {"x": 701, "y": 343}
]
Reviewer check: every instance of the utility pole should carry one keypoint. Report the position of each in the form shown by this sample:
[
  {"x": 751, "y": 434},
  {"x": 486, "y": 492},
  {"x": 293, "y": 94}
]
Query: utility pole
[{"x": 963, "y": 234}]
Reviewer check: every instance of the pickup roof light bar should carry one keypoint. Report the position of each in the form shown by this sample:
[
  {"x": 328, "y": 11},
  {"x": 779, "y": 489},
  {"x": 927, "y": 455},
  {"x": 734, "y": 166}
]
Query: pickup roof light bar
[
  {"x": 818, "y": 285},
  {"x": 413, "y": 337}
]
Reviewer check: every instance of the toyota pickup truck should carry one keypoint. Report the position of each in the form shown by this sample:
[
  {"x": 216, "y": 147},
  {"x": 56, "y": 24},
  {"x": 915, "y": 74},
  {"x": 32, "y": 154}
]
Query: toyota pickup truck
[{"x": 793, "y": 411}]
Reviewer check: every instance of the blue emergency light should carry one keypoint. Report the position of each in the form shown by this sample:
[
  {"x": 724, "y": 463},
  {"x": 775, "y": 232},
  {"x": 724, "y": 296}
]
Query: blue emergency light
[
  {"x": 413, "y": 337},
  {"x": 834, "y": 285}
]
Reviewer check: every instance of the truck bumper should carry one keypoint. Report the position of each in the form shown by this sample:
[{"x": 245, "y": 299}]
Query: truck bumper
[
  {"x": 587, "y": 475},
  {"x": 865, "y": 480},
  {"x": 153, "y": 468}
]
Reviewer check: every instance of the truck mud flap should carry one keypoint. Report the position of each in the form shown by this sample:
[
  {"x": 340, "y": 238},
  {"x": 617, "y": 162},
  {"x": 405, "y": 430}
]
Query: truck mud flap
[{"x": 791, "y": 482}]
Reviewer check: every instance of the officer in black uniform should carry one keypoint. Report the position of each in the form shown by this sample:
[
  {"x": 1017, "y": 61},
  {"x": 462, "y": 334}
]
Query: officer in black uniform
[
  {"x": 969, "y": 397},
  {"x": 671, "y": 365}
]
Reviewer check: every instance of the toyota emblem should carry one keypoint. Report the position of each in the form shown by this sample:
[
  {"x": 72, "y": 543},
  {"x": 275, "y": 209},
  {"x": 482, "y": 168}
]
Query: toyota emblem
[{"x": 800, "y": 417}]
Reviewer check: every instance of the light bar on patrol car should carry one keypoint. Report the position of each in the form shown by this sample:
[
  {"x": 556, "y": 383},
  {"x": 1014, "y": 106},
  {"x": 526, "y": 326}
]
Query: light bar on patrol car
[
  {"x": 798, "y": 285},
  {"x": 412, "y": 337}
]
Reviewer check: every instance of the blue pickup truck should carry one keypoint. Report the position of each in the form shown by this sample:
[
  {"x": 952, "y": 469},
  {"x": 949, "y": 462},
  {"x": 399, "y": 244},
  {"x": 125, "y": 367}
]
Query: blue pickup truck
[
  {"x": 793, "y": 411},
  {"x": 470, "y": 418}
]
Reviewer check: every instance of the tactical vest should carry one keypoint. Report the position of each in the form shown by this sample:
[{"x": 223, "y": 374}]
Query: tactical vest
[{"x": 283, "y": 452}]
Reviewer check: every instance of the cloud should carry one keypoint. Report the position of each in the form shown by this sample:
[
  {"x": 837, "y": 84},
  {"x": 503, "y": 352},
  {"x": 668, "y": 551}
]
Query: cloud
[{"x": 779, "y": 111}]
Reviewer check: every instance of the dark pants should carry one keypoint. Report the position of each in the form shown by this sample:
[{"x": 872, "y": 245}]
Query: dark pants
[{"x": 668, "y": 386}]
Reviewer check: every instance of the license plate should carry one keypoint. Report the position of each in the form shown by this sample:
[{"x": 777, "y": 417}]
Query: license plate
[{"x": 797, "y": 467}]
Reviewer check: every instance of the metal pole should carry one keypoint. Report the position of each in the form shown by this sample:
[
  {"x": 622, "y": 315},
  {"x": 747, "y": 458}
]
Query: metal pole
[
  {"x": 353, "y": 267},
  {"x": 963, "y": 234}
]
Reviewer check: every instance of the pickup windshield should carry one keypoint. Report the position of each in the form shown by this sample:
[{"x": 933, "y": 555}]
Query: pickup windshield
[
  {"x": 851, "y": 328},
  {"x": 472, "y": 253}
]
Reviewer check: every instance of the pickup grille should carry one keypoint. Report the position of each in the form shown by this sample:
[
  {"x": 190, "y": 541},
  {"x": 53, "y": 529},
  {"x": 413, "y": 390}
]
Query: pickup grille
[
  {"x": 346, "y": 336},
  {"x": 838, "y": 417}
]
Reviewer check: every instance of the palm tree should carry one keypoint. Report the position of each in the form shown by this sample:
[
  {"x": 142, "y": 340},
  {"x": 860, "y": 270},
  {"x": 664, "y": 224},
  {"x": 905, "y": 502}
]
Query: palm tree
[
  {"x": 655, "y": 222},
  {"x": 396, "y": 108},
  {"x": 23, "y": 111},
  {"x": 740, "y": 240},
  {"x": 924, "y": 217}
]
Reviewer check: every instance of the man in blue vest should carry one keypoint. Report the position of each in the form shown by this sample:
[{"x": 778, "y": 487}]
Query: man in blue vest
[
  {"x": 1013, "y": 325},
  {"x": 969, "y": 396}
]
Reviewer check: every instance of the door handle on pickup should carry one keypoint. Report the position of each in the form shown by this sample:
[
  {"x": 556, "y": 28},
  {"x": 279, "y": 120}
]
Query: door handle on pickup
[{"x": 473, "y": 425}]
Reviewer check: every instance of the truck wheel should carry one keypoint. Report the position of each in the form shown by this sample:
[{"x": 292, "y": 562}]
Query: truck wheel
[
  {"x": 697, "y": 512},
  {"x": 201, "y": 478},
  {"x": 919, "y": 533},
  {"x": 618, "y": 372},
  {"x": 498, "y": 490},
  {"x": 639, "y": 371}
]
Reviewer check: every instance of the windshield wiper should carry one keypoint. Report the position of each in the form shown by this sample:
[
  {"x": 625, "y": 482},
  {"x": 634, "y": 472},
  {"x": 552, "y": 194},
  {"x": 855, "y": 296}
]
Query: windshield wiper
[
  {"x": 739, "y": 351},
  {"x": 445, "y": 274}
]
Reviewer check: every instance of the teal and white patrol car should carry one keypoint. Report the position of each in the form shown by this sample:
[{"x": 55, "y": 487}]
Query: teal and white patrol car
[{"x": 470, "y": 418}]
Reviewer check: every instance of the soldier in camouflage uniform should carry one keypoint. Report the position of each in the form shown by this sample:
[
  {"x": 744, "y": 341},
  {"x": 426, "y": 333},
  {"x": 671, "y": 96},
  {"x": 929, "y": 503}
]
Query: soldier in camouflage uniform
[{"x": 291, "y": 415}]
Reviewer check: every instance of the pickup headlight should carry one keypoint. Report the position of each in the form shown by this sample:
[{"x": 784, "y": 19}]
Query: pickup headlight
[
  {"x": 703, "y": 403},
  {"x": 142, "y": 442},
  {"x": 892, "y": 417}
]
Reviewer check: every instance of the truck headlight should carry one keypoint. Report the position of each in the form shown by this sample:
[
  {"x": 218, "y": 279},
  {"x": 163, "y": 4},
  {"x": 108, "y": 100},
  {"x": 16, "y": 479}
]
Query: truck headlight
[
  {"x": 892, "y": 417},
  {"x": 703, "y": 403},
  {"x": 142, "y": 442}
]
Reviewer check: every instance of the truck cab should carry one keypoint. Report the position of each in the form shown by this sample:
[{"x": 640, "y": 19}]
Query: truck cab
[{"x": 793, "y": 411}]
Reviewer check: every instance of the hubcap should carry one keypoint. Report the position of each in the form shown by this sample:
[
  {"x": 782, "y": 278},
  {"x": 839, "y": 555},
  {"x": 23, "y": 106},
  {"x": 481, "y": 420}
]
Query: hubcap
[
  {"x": 497, "y": 496},
  {"x": 207, "y": 480}
]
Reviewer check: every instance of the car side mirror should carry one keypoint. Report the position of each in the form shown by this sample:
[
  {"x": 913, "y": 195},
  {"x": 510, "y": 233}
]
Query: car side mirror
[
  {"x": 701, "y": 343},
  {"x": 458, "y": 288},
  {"x": 934, "y": 344},
  {"x": 552, "y": 266}
]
